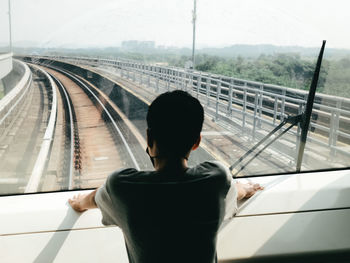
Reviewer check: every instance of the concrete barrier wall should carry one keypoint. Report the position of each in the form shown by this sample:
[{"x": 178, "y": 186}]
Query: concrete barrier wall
[
  {"x": 5, "y": 64},
  {"x": 12, "y": 103}
]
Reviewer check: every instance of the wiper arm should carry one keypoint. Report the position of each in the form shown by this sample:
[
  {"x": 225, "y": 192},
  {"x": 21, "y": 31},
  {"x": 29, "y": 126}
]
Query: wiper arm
[
  {"x": 303, "y": 119},
  {"x": 291, "y": 119}
]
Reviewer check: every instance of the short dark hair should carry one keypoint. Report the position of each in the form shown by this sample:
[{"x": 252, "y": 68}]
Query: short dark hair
[{"x": 175, "y": 120}]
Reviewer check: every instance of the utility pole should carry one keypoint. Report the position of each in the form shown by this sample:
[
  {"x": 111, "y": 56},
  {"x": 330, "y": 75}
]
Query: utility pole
[
  {"x": 194, "y": 17},
  {"x": 10, "y": 25}
]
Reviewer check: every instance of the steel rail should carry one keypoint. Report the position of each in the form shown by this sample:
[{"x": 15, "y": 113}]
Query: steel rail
[{"x": 71, "y": 130}]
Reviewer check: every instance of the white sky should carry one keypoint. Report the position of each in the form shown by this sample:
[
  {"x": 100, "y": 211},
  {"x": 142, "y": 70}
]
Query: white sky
[{"x": 84, "y": 23}]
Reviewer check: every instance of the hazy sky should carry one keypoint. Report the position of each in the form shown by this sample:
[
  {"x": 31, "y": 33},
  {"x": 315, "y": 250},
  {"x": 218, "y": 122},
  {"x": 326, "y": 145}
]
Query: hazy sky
[{"x": 83, "y": 23}]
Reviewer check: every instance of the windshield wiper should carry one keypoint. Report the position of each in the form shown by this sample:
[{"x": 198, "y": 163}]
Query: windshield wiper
[
  {"x": 303, "y": 119},
  {"x": 305, "y": 122}
]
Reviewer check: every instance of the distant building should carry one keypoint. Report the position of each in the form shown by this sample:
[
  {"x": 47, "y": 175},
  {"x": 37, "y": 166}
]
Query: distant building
[{"x": 138, "y": 45}]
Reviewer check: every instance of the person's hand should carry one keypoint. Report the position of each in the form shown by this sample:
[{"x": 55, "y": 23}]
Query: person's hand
[
  {"x": 83, "y": 202},
  {"x": 78, "y": 202},
  {"x": 247, "y": 190}
]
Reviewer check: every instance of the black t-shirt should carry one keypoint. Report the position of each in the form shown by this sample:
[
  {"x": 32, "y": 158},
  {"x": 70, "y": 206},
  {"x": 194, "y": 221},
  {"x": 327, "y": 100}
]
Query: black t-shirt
[{"x": 169, "y": 217}]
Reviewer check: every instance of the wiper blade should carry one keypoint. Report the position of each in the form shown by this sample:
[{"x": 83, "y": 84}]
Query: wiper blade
[{"x": 308, "y": 109}]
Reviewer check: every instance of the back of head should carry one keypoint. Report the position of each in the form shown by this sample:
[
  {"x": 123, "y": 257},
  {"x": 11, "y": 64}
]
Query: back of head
[{"x": 175, "y": 120}]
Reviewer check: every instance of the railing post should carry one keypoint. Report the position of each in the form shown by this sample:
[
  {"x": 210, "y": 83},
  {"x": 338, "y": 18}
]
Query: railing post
[
  {"x": 255, "y": 112},
  {"x": 208, "y": 88},
  {"x": 179, "y": 74},
  {"x": 331, "y": 129},
  {"x": 170, "y": 77},
  {"x": 167, "y": 75},
  {"x": 300, "y": 110},
  {"x": 199, "y": 83},
  {"x": 176, "y": 79},
  {"x": 177, "y": 84},
  {"x": 260, "y": 104},
  {"x": 161, "y": 76},
  {"x": 218, "y": 91},
  {"x": 283, "y": 104},
  {"x": 141, "y": 75},
  {"x": 275, "y": 105},
  {"x": 183, "y": 80},
  {"x": 244, "y": 106},
  {"x": 229, "y": 106},
  {"x": 335, "y": 128},
  {"x": 191, "y": 82},
  {"x": 157, "y": 80},
  {"x": 121, "y": 70}
]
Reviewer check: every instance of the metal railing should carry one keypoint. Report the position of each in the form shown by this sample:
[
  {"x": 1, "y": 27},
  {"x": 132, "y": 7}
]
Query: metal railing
[{"x": 252, "y": 107}]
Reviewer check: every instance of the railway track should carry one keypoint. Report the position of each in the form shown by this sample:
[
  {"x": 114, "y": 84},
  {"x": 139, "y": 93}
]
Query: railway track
[
  {"x": 75, "y": 140},
  {"x": 93, "y": 145}
]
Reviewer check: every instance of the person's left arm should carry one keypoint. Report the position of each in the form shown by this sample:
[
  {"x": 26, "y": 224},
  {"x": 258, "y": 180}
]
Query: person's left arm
[{"x": 247, "y": 190}]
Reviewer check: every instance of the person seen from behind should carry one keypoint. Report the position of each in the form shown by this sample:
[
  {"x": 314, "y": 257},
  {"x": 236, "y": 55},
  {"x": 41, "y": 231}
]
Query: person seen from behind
[{"x": 171, "y": 214}]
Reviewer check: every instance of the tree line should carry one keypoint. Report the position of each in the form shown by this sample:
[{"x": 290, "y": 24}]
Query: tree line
[{"x": 289, "y": 70}]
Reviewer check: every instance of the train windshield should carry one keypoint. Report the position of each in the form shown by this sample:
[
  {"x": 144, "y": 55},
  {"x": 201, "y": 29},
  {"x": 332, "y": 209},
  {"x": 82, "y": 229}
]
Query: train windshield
[{"x": 76, "y": 79}]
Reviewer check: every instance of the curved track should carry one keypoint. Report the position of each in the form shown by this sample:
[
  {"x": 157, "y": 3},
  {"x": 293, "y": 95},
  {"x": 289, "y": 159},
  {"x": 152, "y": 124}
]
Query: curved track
[{"x": 93, "y": 145}]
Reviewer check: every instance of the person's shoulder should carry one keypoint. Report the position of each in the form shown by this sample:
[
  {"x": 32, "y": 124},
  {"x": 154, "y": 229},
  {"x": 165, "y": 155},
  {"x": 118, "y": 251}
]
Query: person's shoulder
[
  {"x": 210, "y": 169},
  {"x": 215, "y": 170},
  {"x": 126, "y": 175},
  {"x": 124, "y": 172},
  {"x": 215, "y": 166},
  {"x": 121, "y": 174}
]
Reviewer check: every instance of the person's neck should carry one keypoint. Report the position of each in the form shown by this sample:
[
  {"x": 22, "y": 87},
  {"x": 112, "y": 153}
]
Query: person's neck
[{"x": 167, "y": 164}]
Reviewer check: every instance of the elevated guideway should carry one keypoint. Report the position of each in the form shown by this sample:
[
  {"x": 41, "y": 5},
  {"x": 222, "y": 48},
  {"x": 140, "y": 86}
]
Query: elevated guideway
[
  {"x": 133, "y": 100},
  {"x": 248, "y": 109}
]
